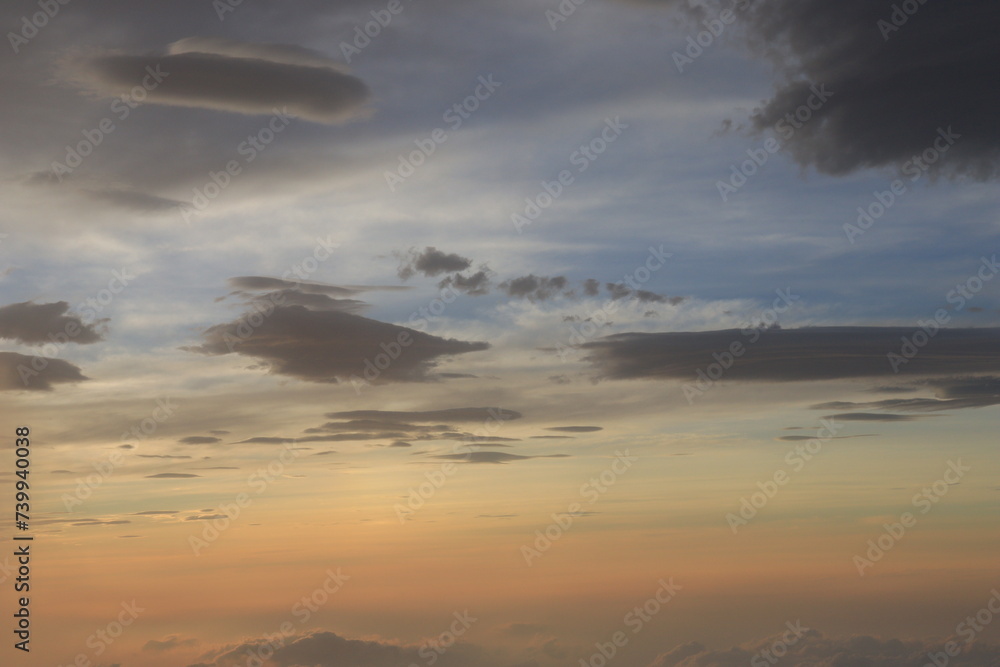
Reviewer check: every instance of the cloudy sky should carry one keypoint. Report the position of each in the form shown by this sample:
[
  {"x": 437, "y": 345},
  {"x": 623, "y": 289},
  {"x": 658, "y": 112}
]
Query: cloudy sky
[{"x": 398, "y": 333}]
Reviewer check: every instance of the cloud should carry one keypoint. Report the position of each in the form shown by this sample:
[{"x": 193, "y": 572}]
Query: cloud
[
  {"x": 783, "y": 355},
  {"x": 135, "y": 200},
  {"x": 333, "y": 346},
  {"x": 871, "y": 417},
  {"x": 893, "y": 86},
  {"x": 534, "y": 288},
  {"x": 199, "y": 440},
  {"x": 432, "y": 262},
  {"x": 446, "y": 415},
  {"x": 39, "y": 323},
  {"x": 224, "y": 75},
  {"x": 813, "y": 648},
  {"x": 171, "y": 475},
  {"x": 18, "y": 374},
  {"x": 327, "y": 649},
  {"x": 168, "y": 644},
  {"x": 476, "y": 284},
  {"x": 575, "y": 429},
  {"x": 494, "y": 457}
]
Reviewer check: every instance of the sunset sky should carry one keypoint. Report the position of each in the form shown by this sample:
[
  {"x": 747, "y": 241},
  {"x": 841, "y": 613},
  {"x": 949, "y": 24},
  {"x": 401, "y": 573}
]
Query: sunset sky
[{"x": 635, "y": 333}]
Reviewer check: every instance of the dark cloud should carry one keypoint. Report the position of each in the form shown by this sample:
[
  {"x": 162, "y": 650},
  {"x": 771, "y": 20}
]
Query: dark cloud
[
  {"x": 494, "y": 457},
  {"x": 591, "y": 287},
  {"x": 155, "y": 512},
  {"x": 229, "y": 76},
  {"x": 621, "y": 291},
  {"x": 205, "y": 517},
  {"x": 534, "y": 288},
  {"x": 333, "y": 346},
  {"x": 780, "y": 355},
  {"x": 476, "y": 284},
  {"x": 431, "y": 262},
  {"x": 575, "y": 429},
  {"x": 871, "y": 417},
  {"x": 446, "y": 415},
  {"x": 892, "y": 88},
  {"x": 199, "y": 440},
  {"x": 135, "y": 200},
  {"x": 267, "y": 284},
  {"x": 18, "y": 374},
  {"x": 39, "y": 323},
  {"x": 815, "y": 649},
  {"x": 951, "y": 394},
  {"x": 172, "y": 475}
]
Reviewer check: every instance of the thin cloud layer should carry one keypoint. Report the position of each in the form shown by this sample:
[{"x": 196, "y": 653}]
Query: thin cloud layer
[
  {"x": 783, "y": 355},
  {"x": 225, "y": 75}
]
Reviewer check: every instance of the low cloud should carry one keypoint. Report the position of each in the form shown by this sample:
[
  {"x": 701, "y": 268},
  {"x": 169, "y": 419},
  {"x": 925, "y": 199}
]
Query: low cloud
[
  {"x": 431, "y": 262},
  {"x": 783, "y": 355},
  {"x": 38, "y": 323},
  {"x": 18, "y": 374},
  {"x": 225, "y": 75}
]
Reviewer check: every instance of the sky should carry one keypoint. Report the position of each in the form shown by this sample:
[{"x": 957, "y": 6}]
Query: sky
[{"x": 638, "y": 333}]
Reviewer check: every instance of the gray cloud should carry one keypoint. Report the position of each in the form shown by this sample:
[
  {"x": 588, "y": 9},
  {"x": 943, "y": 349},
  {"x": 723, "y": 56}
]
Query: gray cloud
[
  {"x": 575, "y": 429},
  {"x": 494, "y": 457},
  {"x": 892, "y": 88},
  {"x": 172, "y": 475},
  {"x": 534, "y": 288},
  {"x": 35, "y": 323},
  {"x": 432, "y": 262},
  {"x": 333, "y": 346},
  {"x": 18, "y": 373},
  {"x": 199, "y": 440},
  {"x": 476, "y": 284},
  {"x": 781, "y": 355},
  {"x": 225, "y": 75},
  {"x": 446, "y": 415}
]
